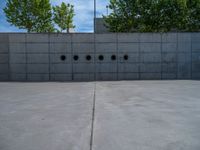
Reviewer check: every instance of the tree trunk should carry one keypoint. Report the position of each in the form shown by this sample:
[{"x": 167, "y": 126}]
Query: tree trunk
[{"x": 67, "y": 30}]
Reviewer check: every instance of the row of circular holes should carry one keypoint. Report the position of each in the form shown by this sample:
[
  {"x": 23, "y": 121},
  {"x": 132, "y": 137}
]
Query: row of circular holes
[{"x": 88, "y": 57}]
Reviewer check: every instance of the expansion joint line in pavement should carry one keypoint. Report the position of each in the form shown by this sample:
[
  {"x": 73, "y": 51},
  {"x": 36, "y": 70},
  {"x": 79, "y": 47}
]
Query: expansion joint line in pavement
[{"x": 93, "y": 117}]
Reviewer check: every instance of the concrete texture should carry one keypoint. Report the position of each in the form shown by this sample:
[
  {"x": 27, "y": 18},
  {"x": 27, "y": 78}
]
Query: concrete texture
[
  {"x": 149, "y": 56},
  {"x": 139, "y": 115},
  {"x": 45, "y": 116},
  {"x": 149, "y": 115}
]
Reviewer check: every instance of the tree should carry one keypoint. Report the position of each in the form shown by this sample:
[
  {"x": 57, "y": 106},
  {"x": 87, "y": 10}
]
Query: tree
[
  {"x": 153, "y": 15},
  {"x": 32, "y": 15},
  {"x": 124, "y": 17},
  {"x": 63, "y": 16},
  {"x": 193, "y": 22}
]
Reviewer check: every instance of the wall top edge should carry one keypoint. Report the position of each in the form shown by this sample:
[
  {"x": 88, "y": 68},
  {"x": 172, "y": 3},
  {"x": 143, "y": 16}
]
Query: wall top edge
[{"x": 97, "y": 33}]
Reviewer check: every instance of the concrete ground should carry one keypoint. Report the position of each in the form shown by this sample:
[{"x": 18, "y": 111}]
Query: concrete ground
[{"x": 124, "y": 115}]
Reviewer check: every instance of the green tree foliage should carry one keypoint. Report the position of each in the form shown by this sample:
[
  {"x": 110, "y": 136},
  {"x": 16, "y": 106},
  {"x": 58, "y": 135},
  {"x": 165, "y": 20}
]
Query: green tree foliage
[
  {"x": 63, "y": 16},
  {"x": 153, "y": 15},
  {"x": 33, "y": 15},
  {"x": 193, "y": 22}
]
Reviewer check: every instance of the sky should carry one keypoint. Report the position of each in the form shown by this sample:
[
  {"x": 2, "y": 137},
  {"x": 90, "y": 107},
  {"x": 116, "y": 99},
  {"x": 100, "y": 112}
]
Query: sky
[{"x": 84, "y": 10}]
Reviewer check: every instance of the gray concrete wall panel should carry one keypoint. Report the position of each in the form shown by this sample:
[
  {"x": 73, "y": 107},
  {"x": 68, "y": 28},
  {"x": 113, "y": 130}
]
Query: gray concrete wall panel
[
  {"x": 128, "y": 37},
  {"x": 18, "y": 68},
  {"x": 128, "y": 76},
  {"x": 150, "y": 76},
  {"x": 37, "y": 48},
  {"x": 38, "y": 77},
  {"x": 4, "y": 48},
  {"x": 106, "y": 76},
  {"x": 60, "y": 48},
  {"x": 17, "y": 38},
  {"x": 60, "y": 68},
  {"x": 61, "y": 77},
  {"x": 37, "y": 38},
  {"x": 17, "y": 58},
  {"x": 150, "y": 37},
  {"x": 4, "y": 58},
  {"x": 4, "y": 68},
  {"x": 128, "y": 47},
  {"x": 169, "y": 47},
  {"x": 150, "y": 67},
  {"x": 17, "y": 77},
  {"x": 106, "y": 47},
  {"x": 60, "y": 38},
  {"x": 169, "y": 38},
  {"x": 82, "y": 38},
  {"x": 106, "y": 38},
  {"x": 83, "y": 47},
  {"x": 17, "y": 48},
  {"x": 37, "y": 68},
  {"x": 150, "y": 58},
  {"x": 150, "y": 47},
  {"x": 169, "y": 57},
  {"x": 38, "y": 58},
  {"x": 126, "y": 56}
]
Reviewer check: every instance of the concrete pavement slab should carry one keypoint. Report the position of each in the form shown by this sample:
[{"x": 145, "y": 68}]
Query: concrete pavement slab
[
  {"x": 147, "y": 115},
  {"x": 45, "y": 116}
]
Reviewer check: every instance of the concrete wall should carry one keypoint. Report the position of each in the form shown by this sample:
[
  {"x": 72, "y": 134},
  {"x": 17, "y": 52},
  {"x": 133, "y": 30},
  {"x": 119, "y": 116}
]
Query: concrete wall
[
  {"x": 100, "y": 26},
  {"x": 111, "y": 56}
]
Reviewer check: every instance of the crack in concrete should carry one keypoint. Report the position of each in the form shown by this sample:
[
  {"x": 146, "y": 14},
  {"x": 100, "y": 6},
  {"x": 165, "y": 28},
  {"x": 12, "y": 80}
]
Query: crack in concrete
[{"x": 93, "y": 118}]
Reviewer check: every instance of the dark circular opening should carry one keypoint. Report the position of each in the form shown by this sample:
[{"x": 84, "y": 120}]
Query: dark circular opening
[
  {"x": 113, "y": 57},
  {"x": 76, "y": 57},
  {"x": 101, "y": 57},
  {"x": 125, "y": 57},
  {"x": 88, "y": 57},
  {"x": 63, "y": 57}
]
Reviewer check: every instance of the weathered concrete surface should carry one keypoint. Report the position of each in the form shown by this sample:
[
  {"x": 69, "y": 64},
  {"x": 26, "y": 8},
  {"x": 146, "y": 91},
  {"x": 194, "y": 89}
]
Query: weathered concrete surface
[
  {"x": 139, "y": 115},
  {"x": 45, "y": 116},
  {"x": 147, "y": 115}
]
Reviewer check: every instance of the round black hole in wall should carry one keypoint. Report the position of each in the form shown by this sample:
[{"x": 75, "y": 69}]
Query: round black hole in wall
[
  {"x": 113, "y": 57},
  {"x": 101, "y": 57},
  {"x": 76, "y": 57},
  {"x": 125, "y": 57},
  {"x": 63, "y": 57},
  {"x": 88, "y": 57}
]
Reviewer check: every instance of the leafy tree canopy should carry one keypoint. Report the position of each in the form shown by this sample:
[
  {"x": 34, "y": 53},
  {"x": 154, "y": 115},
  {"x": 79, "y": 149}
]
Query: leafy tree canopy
[
  {"x": 63, "y": 16},
  {"x": 33, "y": 15},
  {"x": 153, "y": 15}
]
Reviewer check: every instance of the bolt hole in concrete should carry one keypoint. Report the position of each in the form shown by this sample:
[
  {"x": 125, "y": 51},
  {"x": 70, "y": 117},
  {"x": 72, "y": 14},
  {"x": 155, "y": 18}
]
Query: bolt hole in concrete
[
  {"x": 125, "y": 57},
  {"x": 113, "y": 57},
  {"x": 63, "y": 57},
  {"x": 88, "y": 57},
  {"x": 76, "y": 57},
  {"x": 101, "y": 57}
]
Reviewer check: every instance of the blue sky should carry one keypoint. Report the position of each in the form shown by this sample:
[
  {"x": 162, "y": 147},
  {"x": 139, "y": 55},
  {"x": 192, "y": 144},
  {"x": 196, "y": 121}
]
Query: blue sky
[{"x": 83, "y": 19}]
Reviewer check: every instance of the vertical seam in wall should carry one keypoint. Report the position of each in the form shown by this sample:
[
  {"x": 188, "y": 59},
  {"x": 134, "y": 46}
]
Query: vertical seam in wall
[
  {"x": 177, "y": 55},
  {"x": 9, "y": 71},
  {"x": 117, "y": 44},
  {"x": 49, "y": 55},
  {"x": 72, "y": 54},
  {"x": 26, "y": 56},
  {"x": 161, "y": 56},
  {"x": 191, "y": 74},
  {"x": 139, "y": 69},
  {"x": 95, "y": 70}
]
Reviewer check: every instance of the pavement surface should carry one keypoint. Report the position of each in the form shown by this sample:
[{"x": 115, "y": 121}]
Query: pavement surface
[{"x": 122, "y": 115}]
